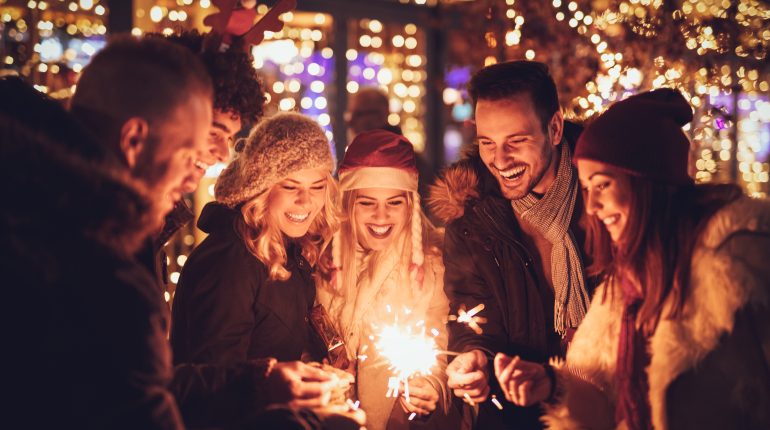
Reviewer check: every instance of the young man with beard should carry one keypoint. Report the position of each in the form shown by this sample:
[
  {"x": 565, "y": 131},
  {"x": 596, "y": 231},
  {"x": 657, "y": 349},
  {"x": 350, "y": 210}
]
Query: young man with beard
[
  {"x": 514, "y": 240},
  {"x": 89, "y": 347}
]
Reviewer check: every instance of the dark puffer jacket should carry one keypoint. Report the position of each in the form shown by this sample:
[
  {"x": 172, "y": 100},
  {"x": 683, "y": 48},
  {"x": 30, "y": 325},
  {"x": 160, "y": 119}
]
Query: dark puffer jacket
[
  {"x": 86, "y": 344},
  {"x": 487, "y": 262},
  {"x": 84, "y": 324},
  {"x": 227, "y": 311}
]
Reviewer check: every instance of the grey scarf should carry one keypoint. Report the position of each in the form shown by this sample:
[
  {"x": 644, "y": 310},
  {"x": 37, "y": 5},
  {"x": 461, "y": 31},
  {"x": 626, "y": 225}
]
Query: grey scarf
[{"x": 550, "y": 216}]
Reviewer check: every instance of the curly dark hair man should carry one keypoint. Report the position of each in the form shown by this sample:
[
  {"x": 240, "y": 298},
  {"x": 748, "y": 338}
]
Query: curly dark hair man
[
  {"x": 238, "y": 101},
  {"x": 238, "y": 94}
]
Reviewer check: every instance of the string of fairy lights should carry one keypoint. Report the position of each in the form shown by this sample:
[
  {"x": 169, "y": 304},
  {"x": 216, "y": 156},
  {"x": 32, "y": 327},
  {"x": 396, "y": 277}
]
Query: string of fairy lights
[
  {"x": 297, "y": 68},
  {"x": 50, "y": 41},
  {"x": 714, "y": 51},
  {"x": 392, "y": 57}
]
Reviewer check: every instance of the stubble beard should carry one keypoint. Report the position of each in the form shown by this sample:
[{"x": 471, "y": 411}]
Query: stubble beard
[{"x": 549, "y": 151}]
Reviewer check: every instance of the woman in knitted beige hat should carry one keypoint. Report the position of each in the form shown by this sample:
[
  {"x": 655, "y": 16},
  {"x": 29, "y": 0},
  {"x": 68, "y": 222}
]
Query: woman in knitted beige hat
[
  {"x": 388, "y": 262},
  {"x": 247, "y": 291},
  {"x": 676, "y": 336}
]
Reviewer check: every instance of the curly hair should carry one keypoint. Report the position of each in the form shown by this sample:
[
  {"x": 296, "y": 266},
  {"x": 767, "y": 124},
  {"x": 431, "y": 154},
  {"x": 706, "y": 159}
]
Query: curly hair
[
  {"x": 237, "y": 88},
  {"x": 264, "y": 239}
]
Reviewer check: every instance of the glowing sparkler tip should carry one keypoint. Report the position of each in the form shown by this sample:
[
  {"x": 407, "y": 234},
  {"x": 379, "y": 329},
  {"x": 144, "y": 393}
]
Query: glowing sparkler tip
[
  {"x": 412, "y": 415},
  {"x": 497, "y": 402},
  {"x": 353, "y": 405},
  {"x": 470, "y": 317},
  {"x": 408, "y": 352}
]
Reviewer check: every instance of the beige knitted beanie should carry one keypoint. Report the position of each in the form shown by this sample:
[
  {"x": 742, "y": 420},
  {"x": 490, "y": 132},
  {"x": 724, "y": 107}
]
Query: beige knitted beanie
[{"x": 277, "y": 147}]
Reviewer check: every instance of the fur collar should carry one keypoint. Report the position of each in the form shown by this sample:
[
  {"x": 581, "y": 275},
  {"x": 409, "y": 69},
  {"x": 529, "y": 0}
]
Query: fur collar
[
  {"x": 455, "y": 186},
  {"x": 721, "y": 285},
  {"x": 464, "y": 183}
]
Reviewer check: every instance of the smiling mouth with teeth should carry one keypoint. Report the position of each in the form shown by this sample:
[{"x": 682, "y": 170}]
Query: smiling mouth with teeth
[
  {"x": 379, "y": 231},
  {"x": 611, "y": 220},
  {"x": 201, "y": 165},
  {"x": 513, "y": 173},
  {"x": 298, "y": 218}
]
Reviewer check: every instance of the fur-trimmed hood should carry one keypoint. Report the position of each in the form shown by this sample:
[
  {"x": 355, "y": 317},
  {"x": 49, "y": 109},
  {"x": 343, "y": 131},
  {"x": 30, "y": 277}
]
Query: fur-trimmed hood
[
  {"x": 468, "y": 179},
  {"x": 457, "y": 185}
]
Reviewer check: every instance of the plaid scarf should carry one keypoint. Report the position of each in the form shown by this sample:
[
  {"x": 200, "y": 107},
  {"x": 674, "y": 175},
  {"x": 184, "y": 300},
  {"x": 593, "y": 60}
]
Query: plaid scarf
[{"x": 551, "y": 216}]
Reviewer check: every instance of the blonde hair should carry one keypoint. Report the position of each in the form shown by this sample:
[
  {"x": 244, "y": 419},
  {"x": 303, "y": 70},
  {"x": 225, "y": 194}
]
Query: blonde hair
[
  {"x": 264, "y": 239},
  {"x": 416, "y": 238}
]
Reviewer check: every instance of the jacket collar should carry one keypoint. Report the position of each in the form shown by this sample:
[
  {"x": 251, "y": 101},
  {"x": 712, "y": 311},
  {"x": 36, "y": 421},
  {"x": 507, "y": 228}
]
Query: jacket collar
[{"x": 468, "y": 185}]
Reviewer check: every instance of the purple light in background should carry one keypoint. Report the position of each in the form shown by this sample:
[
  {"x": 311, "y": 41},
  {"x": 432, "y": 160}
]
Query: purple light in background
[
  {"x": 458, "y": 77},
  {"x": 720, "y": 123}
]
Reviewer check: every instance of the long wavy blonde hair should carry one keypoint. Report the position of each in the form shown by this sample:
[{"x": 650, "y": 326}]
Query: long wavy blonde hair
[{"x": 263, "y": 238}]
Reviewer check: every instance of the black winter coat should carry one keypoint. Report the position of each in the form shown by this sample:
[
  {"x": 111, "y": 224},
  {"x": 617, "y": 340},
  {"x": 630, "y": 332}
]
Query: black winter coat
[
  {"x": 85, "y": 336},
  {"x": 84, "y": 324},
  {"x": 227, "y": 311},
  {"x": 486, "y": 261}
]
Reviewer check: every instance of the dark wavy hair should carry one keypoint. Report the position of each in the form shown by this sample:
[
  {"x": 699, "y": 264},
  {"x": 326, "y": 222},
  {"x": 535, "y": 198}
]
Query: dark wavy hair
[
  {"x": 237, "y": 88},
  {"x": 657, "y": 245},
  {"x": 513, "y": 78}
]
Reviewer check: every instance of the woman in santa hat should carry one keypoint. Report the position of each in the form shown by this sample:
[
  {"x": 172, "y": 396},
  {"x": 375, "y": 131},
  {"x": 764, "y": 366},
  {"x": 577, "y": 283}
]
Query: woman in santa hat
[
  {"x": 388, "y": 268},
  {"x": 677, "y": 335}
]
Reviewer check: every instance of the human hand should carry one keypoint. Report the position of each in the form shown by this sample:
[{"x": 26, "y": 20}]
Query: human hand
[
  {"x": 523, "y": 382},
  {"x": 423, "y": 396},
  {"x": 300, "y": 385},
  {"x": 341, "y": 417},
  {"x": 468, "y": 376}
]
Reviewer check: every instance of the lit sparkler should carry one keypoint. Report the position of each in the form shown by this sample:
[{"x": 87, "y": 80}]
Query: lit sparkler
[
  {"x": 353, "y": 405},
  {"x": 408, "y": 350},
  {"x": 497, "y": 402},
  {"x": 470, "y": 318}
]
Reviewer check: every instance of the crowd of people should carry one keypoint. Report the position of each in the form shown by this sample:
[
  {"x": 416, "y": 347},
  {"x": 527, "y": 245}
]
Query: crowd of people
[{"x": 616, "y": 292}]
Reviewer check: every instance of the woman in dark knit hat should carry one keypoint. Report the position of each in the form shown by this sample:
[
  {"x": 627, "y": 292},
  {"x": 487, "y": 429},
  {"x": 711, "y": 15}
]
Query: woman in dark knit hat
[
  {"x": 677, "y": 335},
  {"x": 247, "y": 291}
]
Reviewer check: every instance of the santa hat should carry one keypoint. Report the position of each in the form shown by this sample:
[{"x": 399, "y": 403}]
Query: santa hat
[
  {"x": 382, "y": 159},
  {"x": 642, "y": 136}
]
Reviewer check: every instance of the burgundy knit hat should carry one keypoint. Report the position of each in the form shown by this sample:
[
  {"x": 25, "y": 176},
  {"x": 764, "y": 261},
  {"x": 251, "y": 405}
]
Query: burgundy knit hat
[
  {"x": 379, "y": 159},
  {"x": 642, "y": 136}
]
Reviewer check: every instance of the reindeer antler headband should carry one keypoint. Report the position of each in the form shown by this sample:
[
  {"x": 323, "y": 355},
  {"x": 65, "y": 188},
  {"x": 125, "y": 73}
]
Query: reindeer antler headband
[{"x": 235, "y": 21}]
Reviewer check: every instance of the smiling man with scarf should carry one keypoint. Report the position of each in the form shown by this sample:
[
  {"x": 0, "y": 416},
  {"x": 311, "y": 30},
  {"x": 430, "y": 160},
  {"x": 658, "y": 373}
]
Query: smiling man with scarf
[{"x": 514, "y": 238}]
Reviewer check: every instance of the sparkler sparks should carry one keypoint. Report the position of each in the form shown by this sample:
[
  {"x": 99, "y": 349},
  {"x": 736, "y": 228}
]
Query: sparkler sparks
[
  {"x": 408, "y": 351},
  {"x": 353, "y": 405},
  {"x": 470, "y": 318},
  {"x": 497, "y": 402}
]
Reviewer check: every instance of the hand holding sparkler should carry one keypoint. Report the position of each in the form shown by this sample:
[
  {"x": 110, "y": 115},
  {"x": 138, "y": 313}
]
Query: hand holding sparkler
[
  {"x": 423, "y": 396},
  {"x": 524, "y": 383},
  {"x": 300, "y": 385},
  {"x": 468, "y": 376}
]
